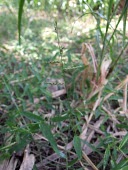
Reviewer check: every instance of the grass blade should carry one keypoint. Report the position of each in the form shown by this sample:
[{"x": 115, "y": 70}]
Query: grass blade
[
  {"x": 20, "y": 12},
  {"x": 77, "y": 146},
  {"x": 46, "y": 131}
]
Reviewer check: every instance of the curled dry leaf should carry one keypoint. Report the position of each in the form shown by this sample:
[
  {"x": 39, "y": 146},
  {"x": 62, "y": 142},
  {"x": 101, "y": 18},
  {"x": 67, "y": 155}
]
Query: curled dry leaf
[
  {"x": 104, "y": 70},
  {"x": 92, "y": 53},
  {"x": 87, "y": 73}
]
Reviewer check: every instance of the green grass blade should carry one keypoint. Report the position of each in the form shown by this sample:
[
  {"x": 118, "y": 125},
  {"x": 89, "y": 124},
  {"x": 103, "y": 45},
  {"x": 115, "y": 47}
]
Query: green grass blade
[
  {"x": 32, "y": 117},
  {"x": 107, "y": 27},
  {"x": 123, "y": 142},
  {"x": 20, "y": 12},
  {"x": 106, "y": 157},
  {"x": 124, "y": 168},
  {"x": 121, "y": 16},
  {"x": 124, "y": 23},
  {"x": 46, "y": 131},
  {"x": 77, "y": 146},
  {"x": 116, "y": 61}
]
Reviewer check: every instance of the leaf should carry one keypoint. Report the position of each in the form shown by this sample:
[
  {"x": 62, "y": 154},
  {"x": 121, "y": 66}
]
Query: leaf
[
  {"x": 32, "y": 116},
  {"x": 124, "y": 23},
  {"x": 71, "y": 163},
  {"x": 124, "y": 168},
  {"x": 104, "y": 69},
  {"x": 28, "y": 161},
  {"x": 46, "y": 131},
  {"x": 27, "y": 91},
  {"x": 121, "y": 165},
  {"x": 60, "y": 118},
  {"x": 124, "y": 141},
  {"x": 12, "y": 163},
  {"x": 77, "y": 146},
  {"x": 21, "y": 4},
  {"x": 106, "y": 157}
]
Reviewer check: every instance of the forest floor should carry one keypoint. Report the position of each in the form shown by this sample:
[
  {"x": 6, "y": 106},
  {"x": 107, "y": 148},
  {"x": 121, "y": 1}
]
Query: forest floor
[{"x": 60, "y": 105}]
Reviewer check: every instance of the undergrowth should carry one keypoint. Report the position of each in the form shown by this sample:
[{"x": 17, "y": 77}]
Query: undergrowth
[{"x": 63, "y": 91}]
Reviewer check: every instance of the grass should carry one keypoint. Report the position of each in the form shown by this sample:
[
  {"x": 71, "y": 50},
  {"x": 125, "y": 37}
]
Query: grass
[{"x": 63, "y": 126}]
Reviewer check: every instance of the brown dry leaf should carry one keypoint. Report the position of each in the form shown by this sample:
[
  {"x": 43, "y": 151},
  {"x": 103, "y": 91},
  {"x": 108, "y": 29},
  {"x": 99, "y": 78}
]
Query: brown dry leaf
[
  {"x": 58, "y": 93},
  {"x": 125, "y": 98},
  {"x": 9, "y": 164},
  {"x": 4, "y": 164},
  {"x": 87, "y": 73},
  {"x": 28, "y": 160},
  {"x": 89, "y": 161},
  {"x": 12, "y": 163},
  {"x": 94, "y": 61},
  {"x": 84, "y": 59},
  {"x": 97, "y": 87},
  {"x": 104, "y": 70}
]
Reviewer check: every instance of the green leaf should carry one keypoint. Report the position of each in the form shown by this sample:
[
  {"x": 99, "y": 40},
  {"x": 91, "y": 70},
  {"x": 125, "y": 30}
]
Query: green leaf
[
  {"x": 124, "y": 168},
  {"x": 121, "y": 165},
  {"x": 106, "y": 157},
  {"x": 21, "y": 4},
  {"x": 46, "y": 131},
  {"x": 60, "y": 118},
  {"x": 122, "y": 126},
  {"x": 77, "y": 146},
  {"x": 124, "y": 23},
  {"x": 124, "y": 141},
  {"x": 31, "y": 116},
  {"x": 71, "y": 163},
  {"x": 27, "y": 91}
]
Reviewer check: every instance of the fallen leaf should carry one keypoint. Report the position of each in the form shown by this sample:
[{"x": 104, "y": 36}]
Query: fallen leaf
[{"x": 28, "y": 160}]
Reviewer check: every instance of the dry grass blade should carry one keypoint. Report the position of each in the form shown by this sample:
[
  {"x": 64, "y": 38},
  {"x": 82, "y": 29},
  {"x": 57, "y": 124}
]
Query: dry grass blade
[
  {"x": 104, "y": 70},
  {"x": 89, "y": 161},
  {"x": 25, "y": 79},
  {"x": 91, "y": 50},
  {"x": 102, "y": 81},
  {"x": 4, "y": 164},
  {"x": 58, "y": 93},
  {"x": 9, "y": 164},
  {"x": 90, "y": 150},
  {"x": 122, "y": 133},
  {"x": 125, "y": 98},
  {"x": 111, "y": 115},
  {"x": 28, "y": 160},
  {"x": 37, "y": 100},
  {"x": 46, "y": 161},
  {"x": 84, "y": 59},
  {"x": 91, "y": 135},
  {"x": 12, "y": 164},
  {"x": 83, "y": 166},
  {"x": 85, "y": 126},
  {"x": 121, "y": 85}
]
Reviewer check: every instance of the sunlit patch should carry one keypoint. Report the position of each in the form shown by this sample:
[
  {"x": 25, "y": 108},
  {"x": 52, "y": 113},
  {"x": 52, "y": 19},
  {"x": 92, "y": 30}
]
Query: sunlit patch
[
  {"x": 48, "y": 33},
  {"x": 38, "y": 3}
]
